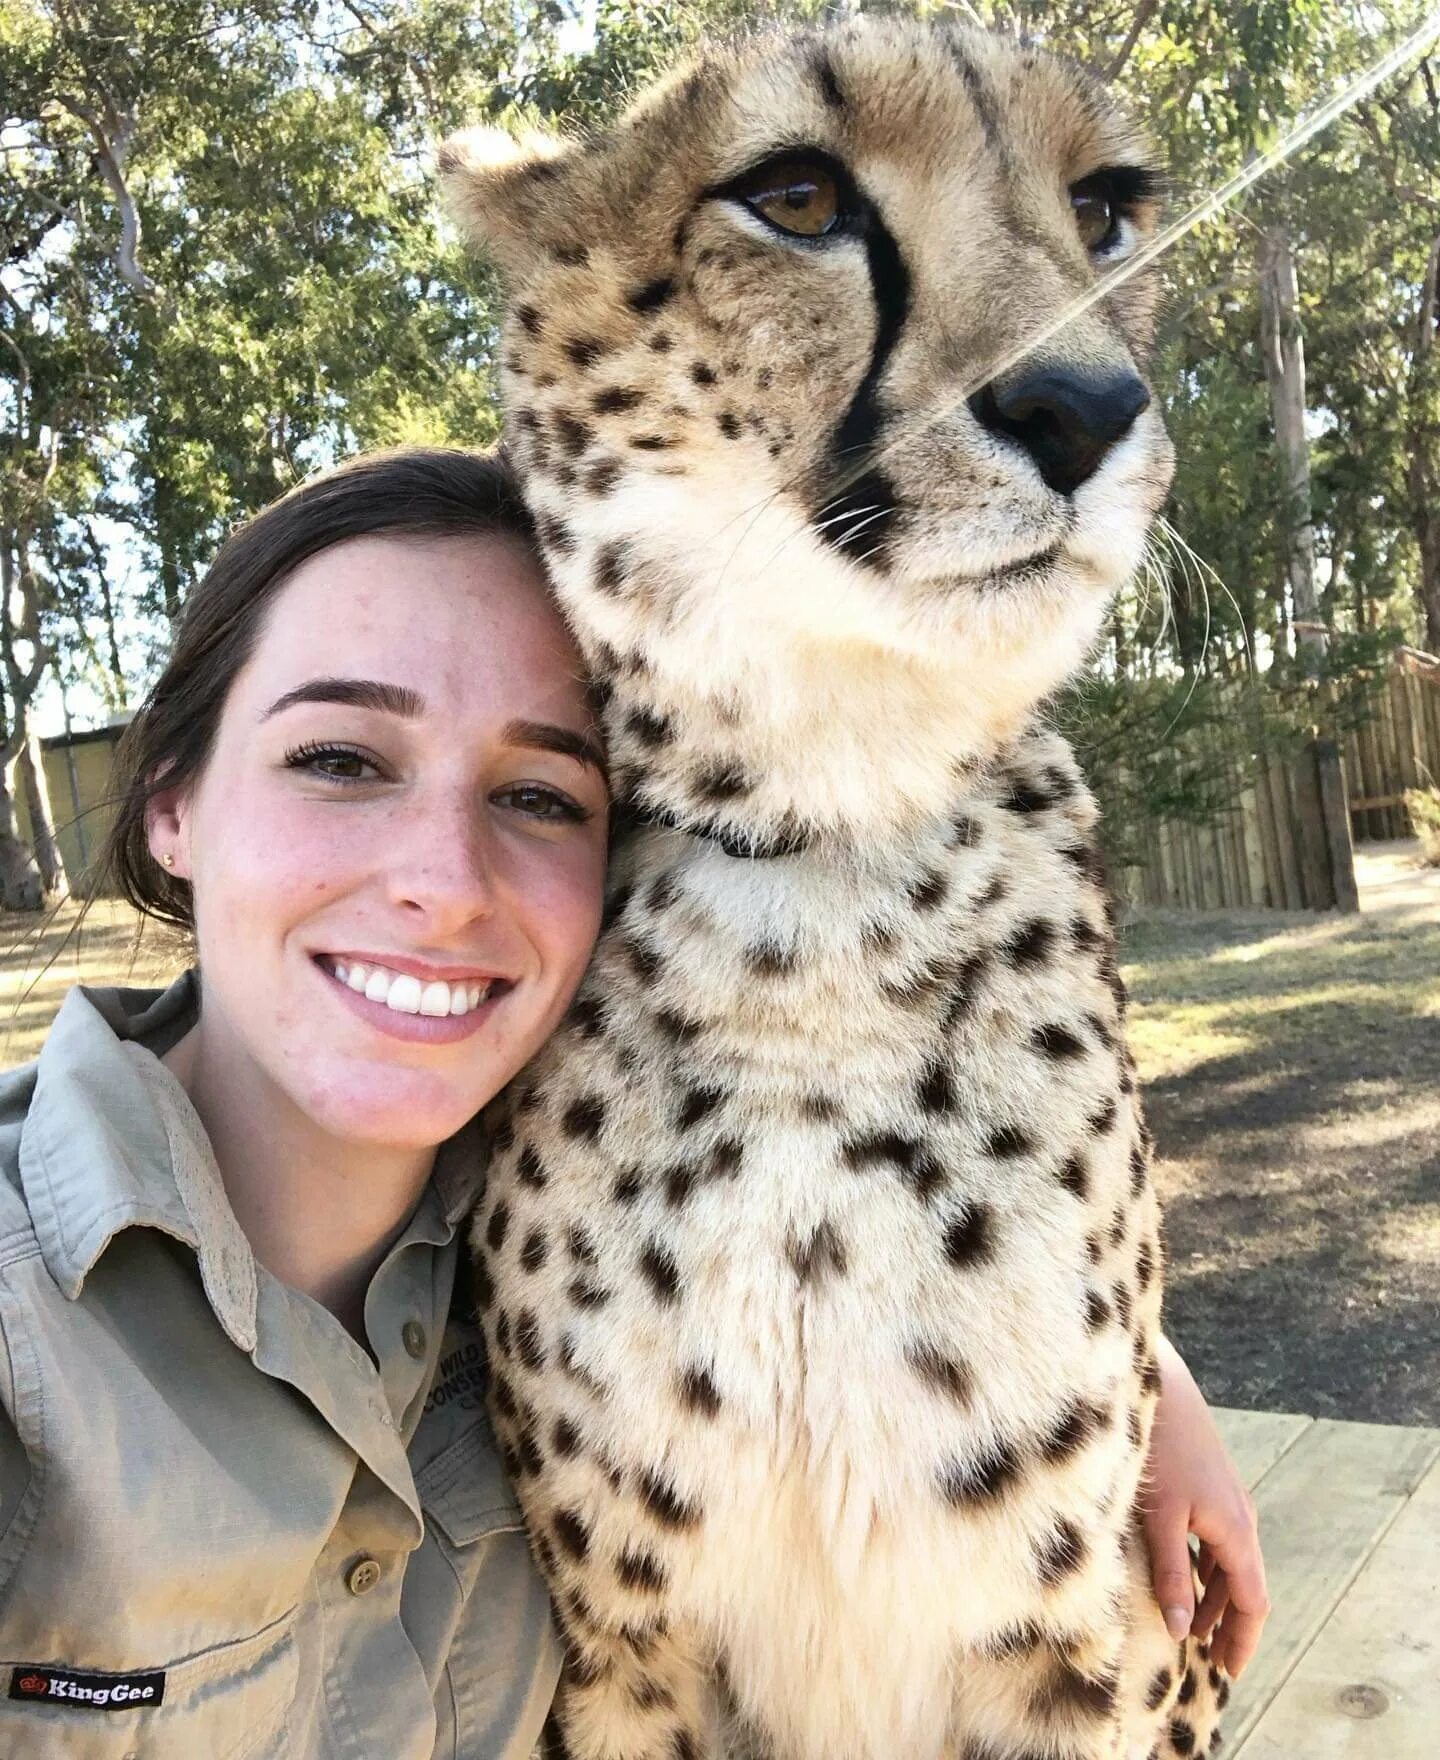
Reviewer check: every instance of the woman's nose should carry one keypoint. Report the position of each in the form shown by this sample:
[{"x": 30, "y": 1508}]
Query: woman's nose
[{"x": 444, "y": 867}]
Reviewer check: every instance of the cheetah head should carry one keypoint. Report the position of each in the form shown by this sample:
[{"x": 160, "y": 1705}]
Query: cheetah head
[{"x": 750, "y": 376}]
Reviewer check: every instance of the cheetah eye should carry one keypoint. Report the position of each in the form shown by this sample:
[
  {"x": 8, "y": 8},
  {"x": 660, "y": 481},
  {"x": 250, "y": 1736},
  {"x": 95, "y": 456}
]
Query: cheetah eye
[
  {"x": 1096, "y": 211},
  {"x": 1104, "y": 201},
  {"x": 797, "y": 196}
]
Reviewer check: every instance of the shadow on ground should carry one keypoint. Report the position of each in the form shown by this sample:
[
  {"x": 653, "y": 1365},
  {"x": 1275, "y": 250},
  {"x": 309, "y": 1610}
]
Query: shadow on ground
[{"x": 1292, "y": 1077}]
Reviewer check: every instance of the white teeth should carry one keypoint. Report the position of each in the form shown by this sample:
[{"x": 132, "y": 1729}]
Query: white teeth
[{"x": 406, "y": 994}]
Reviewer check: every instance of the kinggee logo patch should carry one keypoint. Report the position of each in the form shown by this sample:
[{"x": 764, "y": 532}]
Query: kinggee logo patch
[{"x": 36, "y": 1683}]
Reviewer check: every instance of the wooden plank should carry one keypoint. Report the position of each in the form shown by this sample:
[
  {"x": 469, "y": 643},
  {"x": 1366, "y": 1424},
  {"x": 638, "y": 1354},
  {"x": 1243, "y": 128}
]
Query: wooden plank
[
  {"x": 1368, "y": 1688},
  {"x": 1165, "y": 845},
  {"x": 1256, "y": 1440},
  {"x": 1427, "y": 738},
  {"x": 1285, "y": 839},
  {"x": 1323, "y": 1506},
  {"x": 1372, "y": 780},
  {"x": 1257, "y": 875},
  {"x": 1404, "y": 729},
  {"x": 1354, "y": 781},
  {"x": 1345, "y": 894},
  {"x": 1395, "y": 769},
  {"x": 1212, "y": 894},
  {"x": 1311, "y": 849},
  {"x": 1236, "y": 886},
  {"x": 1430, "y": 697},
  {"x": 1250, "y": 897},
  {"x": 1269, "y": 837},
  {"x": 1189, "y": 892}
]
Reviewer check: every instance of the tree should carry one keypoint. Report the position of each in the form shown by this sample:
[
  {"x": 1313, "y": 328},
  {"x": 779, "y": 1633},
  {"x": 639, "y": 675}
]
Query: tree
[
  {"x": 222, "y": 267},
  {"x": 1325, "y": 821}
]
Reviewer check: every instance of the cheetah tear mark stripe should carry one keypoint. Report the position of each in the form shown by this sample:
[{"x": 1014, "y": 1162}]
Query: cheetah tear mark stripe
[{"x": 858, "y": 520}]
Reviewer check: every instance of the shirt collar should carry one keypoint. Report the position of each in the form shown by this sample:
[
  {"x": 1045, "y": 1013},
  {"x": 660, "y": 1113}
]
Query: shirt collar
[
  {"x": 460, "y": 1172},
  {"x": 111, "y": 1142}
]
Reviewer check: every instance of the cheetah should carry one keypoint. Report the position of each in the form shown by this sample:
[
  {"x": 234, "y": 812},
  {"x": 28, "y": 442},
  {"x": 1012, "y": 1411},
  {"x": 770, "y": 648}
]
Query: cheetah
[{"x": 819, "y": 1260}]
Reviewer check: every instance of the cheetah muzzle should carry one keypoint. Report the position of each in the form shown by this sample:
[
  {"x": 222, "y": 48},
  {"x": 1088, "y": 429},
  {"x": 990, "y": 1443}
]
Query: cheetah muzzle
[{"x": 819, "y": 1261}]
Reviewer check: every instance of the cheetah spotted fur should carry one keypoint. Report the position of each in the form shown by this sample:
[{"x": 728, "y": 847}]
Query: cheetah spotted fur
[{"x": 819, "y": 1262}]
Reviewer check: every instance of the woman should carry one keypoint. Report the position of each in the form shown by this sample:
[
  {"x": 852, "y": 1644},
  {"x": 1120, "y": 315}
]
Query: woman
[{"x": 249, "y": 1500}]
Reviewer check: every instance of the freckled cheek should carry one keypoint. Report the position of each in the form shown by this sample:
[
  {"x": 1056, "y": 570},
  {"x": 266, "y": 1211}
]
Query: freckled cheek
[
  {"x": 559, "y": 892},
  {"x": 273, "y": 865}
]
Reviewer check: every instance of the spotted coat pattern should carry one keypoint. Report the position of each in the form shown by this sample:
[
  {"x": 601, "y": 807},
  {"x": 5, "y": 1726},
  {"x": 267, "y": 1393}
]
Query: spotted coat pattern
[{"x": 819, "y": 1260}]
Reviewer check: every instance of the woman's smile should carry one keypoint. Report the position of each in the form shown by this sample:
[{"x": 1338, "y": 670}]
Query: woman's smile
[{"x": 411, "y": 1000}]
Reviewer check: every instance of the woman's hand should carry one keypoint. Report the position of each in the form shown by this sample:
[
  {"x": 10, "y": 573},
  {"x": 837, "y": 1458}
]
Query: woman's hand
[{"x": 1193, "y": 1488}]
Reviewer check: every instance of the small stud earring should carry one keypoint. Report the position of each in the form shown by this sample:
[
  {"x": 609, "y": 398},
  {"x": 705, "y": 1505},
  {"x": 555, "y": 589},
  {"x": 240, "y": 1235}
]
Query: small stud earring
[{"x": 169, "y": 861}]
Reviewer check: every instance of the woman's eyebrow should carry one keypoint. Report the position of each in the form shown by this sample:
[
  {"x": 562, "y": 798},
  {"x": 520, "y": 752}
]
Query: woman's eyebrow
[
  {"x": 545, "y": 736},
  {"x": 357, "y": 693}
]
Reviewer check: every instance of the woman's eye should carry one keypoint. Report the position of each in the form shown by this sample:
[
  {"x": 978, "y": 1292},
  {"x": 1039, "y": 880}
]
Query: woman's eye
[
  {"x": 335, "y": 763},
  {"x": 545, "y": 804},
  {"x": 796, "y": 195},
  {"x": 1097, "y": 213}
]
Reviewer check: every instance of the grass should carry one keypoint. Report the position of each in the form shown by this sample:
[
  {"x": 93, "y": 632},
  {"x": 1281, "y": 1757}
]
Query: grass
[
  {"x": 1291, "y": 1072},
  {"x": 1219, "y": 986}
]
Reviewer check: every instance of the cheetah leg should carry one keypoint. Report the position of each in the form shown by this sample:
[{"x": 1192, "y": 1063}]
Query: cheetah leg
[
  {"x": 1044, "y": 1696},
  {"x": 1171, "y": 1694},
  {"x": 628, "y": 1694}
]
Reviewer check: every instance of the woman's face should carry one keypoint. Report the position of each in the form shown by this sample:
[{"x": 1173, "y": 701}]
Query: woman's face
[{"x": 397, "y": 845}]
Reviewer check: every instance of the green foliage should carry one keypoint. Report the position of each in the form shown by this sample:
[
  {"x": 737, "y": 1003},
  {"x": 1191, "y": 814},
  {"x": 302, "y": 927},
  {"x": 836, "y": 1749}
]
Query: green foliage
[{"x": 293, "y": 297}]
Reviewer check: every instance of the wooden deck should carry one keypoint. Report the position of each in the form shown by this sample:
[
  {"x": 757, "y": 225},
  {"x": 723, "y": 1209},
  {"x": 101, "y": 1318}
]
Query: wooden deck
[{"x": 1350, "y": 1662}]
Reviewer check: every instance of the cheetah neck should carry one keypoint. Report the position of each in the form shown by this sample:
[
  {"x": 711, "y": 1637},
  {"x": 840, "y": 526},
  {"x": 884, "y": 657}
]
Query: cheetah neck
[{"x": 763, "y": 689}]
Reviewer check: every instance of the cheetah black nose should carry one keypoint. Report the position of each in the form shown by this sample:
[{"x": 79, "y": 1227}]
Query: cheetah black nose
[{"x": 1067, "y": 421}]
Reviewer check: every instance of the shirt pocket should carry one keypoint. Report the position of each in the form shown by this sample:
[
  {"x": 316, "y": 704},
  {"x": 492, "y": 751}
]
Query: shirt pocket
[
  {"x": 230, "y": 1702},
  {"x": 477, "y": 1609}
]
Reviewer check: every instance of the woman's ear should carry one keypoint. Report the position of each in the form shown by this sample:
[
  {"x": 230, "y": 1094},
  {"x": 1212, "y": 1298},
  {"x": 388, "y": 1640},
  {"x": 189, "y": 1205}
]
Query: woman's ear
[{"x": 167, "y": 830}]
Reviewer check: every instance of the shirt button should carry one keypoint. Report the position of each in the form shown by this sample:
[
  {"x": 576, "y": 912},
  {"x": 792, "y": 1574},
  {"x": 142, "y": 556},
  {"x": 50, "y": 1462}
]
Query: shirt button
[
  {"x": 412, "y": 1334},
  {"x": 362, "y": 1576}
]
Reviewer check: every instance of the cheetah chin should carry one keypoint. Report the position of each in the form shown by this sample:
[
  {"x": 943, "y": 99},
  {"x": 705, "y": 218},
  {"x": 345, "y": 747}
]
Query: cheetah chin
[{"x": 819, "y": 1260}]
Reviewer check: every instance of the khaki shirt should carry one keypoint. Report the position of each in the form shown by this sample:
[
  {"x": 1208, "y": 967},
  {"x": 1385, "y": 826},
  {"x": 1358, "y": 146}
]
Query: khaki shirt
[{"x": 224, "y": 1531}]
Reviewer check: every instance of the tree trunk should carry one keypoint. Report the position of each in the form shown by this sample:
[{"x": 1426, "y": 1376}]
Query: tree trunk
[
  {"x": 1428, "y": 532},
  {"x": 21, "y": 888},
  {"x": 1283, "y": 348},
  {"x": 117, "y": 692},
  {"x": 48, "y": 860},
  {"x": 1424, "y": 475}
]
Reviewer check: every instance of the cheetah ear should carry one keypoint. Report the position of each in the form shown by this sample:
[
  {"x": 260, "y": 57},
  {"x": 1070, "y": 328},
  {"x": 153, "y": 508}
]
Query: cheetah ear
[{"x": 507, "y": 191}]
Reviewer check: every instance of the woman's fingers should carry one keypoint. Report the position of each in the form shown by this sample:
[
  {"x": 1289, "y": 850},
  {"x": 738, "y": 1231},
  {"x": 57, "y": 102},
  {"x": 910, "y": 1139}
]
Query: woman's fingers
[
  {"x": 1212, "y": 1603},
  {"x": 1172, "y": 1571},
  {"x": 1241, "y": 1611}
]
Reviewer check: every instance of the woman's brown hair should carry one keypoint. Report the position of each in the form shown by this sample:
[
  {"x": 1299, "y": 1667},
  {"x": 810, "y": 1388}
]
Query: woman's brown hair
[{"x": 417, "y": 492}]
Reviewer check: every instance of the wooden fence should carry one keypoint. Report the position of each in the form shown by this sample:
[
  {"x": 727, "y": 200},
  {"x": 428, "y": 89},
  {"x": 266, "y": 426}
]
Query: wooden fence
[
  {"x": 1398, "y": 749},
  {"x": 1270, "y": 850}
]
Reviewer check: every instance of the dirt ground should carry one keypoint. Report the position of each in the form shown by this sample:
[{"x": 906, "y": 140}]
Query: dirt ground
[
  {"x": 43, "y": 957},
  {"x": 1291, "y": 1070}
]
